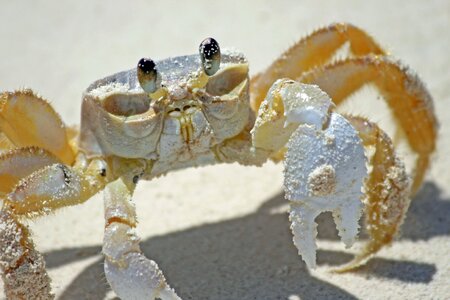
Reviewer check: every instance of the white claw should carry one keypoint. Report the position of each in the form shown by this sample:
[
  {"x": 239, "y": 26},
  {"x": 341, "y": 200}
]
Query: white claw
[
  {"x": 305, "y": 104},
  {"x": 346, "y": 220},
  {"x": 304, "y": 230},
  {"x": 324, "y": 171}
]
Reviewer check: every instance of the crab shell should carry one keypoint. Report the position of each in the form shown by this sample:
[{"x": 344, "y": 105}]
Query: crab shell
[{"x": 190, "y": 114}]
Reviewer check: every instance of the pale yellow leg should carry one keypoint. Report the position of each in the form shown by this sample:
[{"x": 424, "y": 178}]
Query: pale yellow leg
[
  {"x": 35, "y": 184},
  {"x": 22, "y": 266},
  {"x": 405, "y": 94},
  {"x": 28, "y": 120},
  {"x": 387, "y": 192},
  {"x": 20, "y": 163},
  {"x": 53, "y": 187},
  {"x": 314, "y": 50},
  {"x": 5, "y": 143},
  {"x": 34, "y": 180}
]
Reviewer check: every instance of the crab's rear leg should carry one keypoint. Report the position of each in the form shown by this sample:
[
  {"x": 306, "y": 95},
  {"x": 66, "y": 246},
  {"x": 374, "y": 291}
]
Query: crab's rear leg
[
  {"x": 28, "y": 120},
  {"x": 311, "y": 51},
  {"x": 130, "y": 274},
  {"x": 387, "y": 191},
  {"x": 325, "y": 164},
  {"x": 404, "y": 92}
]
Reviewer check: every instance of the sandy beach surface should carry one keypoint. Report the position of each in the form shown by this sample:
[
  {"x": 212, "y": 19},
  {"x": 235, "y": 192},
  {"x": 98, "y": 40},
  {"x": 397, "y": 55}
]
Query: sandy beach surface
[{"x": 222, "y": 232}]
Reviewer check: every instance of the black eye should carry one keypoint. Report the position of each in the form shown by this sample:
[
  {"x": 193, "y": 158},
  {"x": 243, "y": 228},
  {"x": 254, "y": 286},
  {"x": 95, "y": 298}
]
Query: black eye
[
  {"x": 148, "y": 76},
  {"x": 210, "y": 55}
]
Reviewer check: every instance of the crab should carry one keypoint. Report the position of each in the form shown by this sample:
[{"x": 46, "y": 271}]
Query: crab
[{"x": 204, "y": 109}]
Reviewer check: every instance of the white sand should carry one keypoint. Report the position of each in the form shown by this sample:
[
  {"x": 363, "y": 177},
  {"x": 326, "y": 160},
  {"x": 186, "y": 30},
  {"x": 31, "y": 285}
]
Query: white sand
[{"x": 222, "y": 232}]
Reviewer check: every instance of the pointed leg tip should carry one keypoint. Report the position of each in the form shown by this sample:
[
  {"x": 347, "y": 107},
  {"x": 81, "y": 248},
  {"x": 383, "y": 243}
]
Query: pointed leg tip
[
  {"x": 168, "y": 294},
  {"x": 309, "y": 261}
]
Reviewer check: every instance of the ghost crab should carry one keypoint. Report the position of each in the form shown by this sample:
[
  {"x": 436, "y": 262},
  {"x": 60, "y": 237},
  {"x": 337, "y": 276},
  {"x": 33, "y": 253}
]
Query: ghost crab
[{"x": 203, "y": 109}]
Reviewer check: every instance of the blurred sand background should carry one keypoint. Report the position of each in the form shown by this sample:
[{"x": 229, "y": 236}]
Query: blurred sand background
[{"x": 222, "y": 232}]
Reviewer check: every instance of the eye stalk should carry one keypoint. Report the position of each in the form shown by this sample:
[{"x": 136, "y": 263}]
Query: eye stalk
[
  {"x": 148, "y": 76},
  {"x": 210, "y": 55}
]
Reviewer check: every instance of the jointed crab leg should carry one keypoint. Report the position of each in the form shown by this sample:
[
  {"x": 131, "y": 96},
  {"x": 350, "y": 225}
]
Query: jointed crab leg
[
  {"x": 130, "y": 274},
  {"x": 387, "y": 191},
  {"x": 54, "y": 186},
  {"x": 5, "y": 143},
  {"x": 28, "y": 120},
  {"x": 45, "y": 189},
  {"x": 25, "y": 121},
  {"x": 404, "y": 92},
  {"x": 34, "y": 181},
  {"x": 22, "y": 266},
  {"x": 20, "y": 163},
  {"x": 311, "y": 51}
]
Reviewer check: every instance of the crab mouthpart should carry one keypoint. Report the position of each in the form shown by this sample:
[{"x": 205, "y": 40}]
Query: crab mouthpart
[
  {"x": 186, "y": 129},
  {"x": 181, "y": 121}
]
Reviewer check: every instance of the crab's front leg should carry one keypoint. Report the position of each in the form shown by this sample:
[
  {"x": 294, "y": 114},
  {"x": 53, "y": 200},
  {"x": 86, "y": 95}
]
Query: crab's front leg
[
  {"x": 38, "y": 174},
  {"x": 35, "y": 183},
  {"x": 130, "y": 274},
  {"x": 325, "y": 164}
]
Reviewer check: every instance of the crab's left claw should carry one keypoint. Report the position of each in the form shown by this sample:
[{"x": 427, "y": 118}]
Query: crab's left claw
[
  {"x": 325, "y": 164},
  {"x": 324, "y": 171}
]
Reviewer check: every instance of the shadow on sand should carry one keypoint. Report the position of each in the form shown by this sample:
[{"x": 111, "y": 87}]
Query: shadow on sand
[{"x": 252, "y": 257}]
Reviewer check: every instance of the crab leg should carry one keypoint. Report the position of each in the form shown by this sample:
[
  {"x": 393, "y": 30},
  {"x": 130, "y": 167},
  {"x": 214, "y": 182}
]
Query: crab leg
[
  {"x": 387, "y": 192},
  {"x": 324, "y": 162},
  {"x": 34, "y": 182},
  {"x": 28, "y": 120},
  {"x": 23, "y": 267},
  {"x": 406, "y": 95},
  {"x": 311, "y": 51},
  {"x": 5, "y": 143},
  {"x": 55, "y": 186},
  {"x": 19, "y": 163},
  {"x": 130, "y": 274}
]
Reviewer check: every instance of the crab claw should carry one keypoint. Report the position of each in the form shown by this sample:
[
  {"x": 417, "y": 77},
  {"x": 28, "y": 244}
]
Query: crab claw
[
  {"x": 325, "y": 164},
  {"x": 324, "y": 171}
]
